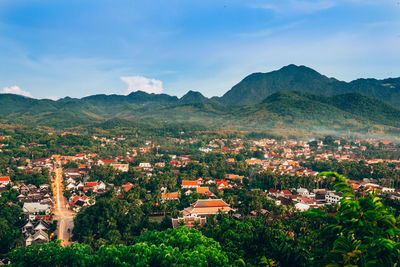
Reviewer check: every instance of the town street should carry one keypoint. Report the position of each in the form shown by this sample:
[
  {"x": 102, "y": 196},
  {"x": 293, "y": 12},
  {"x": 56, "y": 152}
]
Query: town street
[{"x": 64, "y": 216}]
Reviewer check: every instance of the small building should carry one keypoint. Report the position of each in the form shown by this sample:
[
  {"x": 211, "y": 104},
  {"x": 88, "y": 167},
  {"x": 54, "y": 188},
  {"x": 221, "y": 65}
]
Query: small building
[
  {"x": 190, "y": 184},
  {"x": 5, "y": 180},
  {"x": 170, "y": 196},
  {"x": 333, "y": 197},
  {"x": 188, "y": 221}
]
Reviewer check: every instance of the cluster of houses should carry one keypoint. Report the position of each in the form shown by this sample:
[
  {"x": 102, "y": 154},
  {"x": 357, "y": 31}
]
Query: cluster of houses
[
  {"x": 303, "y": 200},
  {"x": 196, "y": 214},
  {"x": 78, "y": 187},
  {"x": 108, "y": 141},
  {"x": 4, "y": 183},
  {"x": 36, "y": 232},
  {"x": 37, "y": 208}
]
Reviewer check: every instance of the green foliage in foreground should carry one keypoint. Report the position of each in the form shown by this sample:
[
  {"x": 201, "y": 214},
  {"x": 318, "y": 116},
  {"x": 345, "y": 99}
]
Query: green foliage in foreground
[
  {"x": 365, "y": 233},
  {"x": 10, "y": 222},
  {"x": 168, "y": 248}
]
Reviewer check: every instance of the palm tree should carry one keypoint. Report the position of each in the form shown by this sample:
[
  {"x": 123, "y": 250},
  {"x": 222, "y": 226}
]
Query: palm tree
[{"x": 365, "y": 233}]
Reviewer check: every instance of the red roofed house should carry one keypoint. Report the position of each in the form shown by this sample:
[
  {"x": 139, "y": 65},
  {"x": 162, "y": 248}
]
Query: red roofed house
[
  {"x": 222, "y": 184},
  {"x": 127, "y": 186},
  {"x": 104, "y": 161},
  {"x": 286, "y": 192},
  {"x": 234, "y": 177},
  {"x": 207, "y": 207},
  {"x": 95, "y": 186},
  {"x": 190, "y": 184},
  {"x": 170, "y": 196},
  {"x": 5, "y": 180}
]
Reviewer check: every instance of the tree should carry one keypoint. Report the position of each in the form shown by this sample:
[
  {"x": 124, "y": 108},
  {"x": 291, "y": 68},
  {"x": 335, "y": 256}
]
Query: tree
[
  {"x": 172, "y": 247},
  {"x": 11, "y": 219},
  {"x": 365, "y": 232}
]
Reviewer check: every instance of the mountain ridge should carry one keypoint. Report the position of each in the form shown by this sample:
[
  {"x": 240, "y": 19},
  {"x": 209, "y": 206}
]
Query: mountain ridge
[
  {"x": 292, "y": 108},
  {"x": 257, "y": 86}
]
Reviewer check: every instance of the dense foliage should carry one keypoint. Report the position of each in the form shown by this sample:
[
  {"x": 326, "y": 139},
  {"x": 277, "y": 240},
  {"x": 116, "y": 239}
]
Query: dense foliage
[
  {"x": 11, "y": 219},
  {"x": 168, "y": 248}
]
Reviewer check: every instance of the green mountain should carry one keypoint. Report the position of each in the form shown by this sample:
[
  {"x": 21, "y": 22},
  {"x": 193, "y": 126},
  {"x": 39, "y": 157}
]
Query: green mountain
[
  {"x": 257, "y": 86},
  {"x": 258, "y": 102},
  {"x": 299, "y": 108},
  {"x": 193, "y": 97}
]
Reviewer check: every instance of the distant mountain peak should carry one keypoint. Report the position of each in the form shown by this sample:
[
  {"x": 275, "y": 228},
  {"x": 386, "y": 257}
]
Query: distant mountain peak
[{"x": 192, "y": 97}]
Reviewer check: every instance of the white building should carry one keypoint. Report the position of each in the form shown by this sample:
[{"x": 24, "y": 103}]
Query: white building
[{"x": 333, "y": 197}]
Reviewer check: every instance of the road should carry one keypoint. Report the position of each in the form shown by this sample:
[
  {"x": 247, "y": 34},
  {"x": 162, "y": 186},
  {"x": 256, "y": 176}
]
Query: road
[{"x": 63, "y": 215}]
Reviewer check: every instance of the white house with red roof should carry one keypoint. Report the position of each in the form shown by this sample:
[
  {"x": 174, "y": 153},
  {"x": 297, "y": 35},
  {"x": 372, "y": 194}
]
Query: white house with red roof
[
  {"x": 190, "y": 184},
  {"x": 5, "y": 180}
]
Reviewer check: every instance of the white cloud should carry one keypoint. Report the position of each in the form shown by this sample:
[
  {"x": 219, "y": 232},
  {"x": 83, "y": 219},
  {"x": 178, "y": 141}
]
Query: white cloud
[
  {"x": 15, "y": 90},
  {"x": 139, "y": 83}
]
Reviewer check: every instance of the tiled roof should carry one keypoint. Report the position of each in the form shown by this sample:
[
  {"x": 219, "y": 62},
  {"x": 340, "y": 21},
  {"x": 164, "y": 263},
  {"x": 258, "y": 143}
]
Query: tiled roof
[{"x": 203, "y": 203}]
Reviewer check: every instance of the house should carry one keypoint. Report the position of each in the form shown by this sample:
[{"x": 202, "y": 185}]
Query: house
[
  {"x": 170, "y": 196},
  {"x": 207, "y": 207},
  {"x": 77, "y": 202},
  {"x": 286, "y": 193},
  {"x": 4, "y": 181},
  {"x": 302, "y": 207},
  {"x": 80, "y": 156},
  {"x": 190, "y": 184},
  {"x": 71, "y": 186},
  {"x": 253, "y": 161},
  {"x": 39, "y": 237},
  {"x": 234, "y": 177},
  {"x": 200, "y": 180},
  {"x": 104, "y": 161},
  {"x": 188, "y": 221},
  {"x": 27, "y": 227},
  {"x": 128, "y": 186},
  {"x": 222, "y": 184},
  {"x": 333, "y": 197},
  {"x": 205, "y": 149},
  {"x": 202, "y": 190},
  {"x": 306, "y": 200},
  {"x": 387, "y": 190},
  {"x": 34, "y": 208},
  {"x": 120, "y": 167},
  {"x": 97, "y": 187},
  {"x": 302, "y": 191},
  {"x": 90, "y": 185},
  {"x": 188, "y": 192},
  {"x": 41, "y": 226},
  {"x": 144, "y": 165}
]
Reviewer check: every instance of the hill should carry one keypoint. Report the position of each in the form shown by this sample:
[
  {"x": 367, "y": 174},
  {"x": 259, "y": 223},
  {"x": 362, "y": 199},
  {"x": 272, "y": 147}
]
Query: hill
[
  {"x": 313, "y": 101},
  {"x": 257, "y": 86},
  {"x": 303, "y": 109},
  {"x": 193, "y": 97}
]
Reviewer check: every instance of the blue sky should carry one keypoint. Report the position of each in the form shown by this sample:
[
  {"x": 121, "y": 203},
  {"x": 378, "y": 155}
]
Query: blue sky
[{"x": 57, "y": 48}]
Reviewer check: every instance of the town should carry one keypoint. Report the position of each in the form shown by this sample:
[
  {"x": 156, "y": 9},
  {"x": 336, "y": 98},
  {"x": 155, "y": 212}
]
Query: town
[{"x": 239, "y": 177}]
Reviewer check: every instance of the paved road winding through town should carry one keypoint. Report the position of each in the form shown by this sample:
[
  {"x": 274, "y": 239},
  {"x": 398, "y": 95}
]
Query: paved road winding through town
[{"x": 64, "y": 216}]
